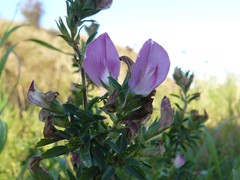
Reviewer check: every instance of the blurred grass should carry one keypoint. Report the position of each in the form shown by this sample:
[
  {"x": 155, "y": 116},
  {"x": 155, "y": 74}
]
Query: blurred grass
[{"x": 217, "y": 156}]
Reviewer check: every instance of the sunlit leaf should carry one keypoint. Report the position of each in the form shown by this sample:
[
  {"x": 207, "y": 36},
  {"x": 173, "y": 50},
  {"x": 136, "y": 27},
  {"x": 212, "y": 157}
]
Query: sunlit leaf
[
  {"x": 44, "y": 142},
  {"x": 4, "y": 58},
  {"x": 49, "y": 46}
]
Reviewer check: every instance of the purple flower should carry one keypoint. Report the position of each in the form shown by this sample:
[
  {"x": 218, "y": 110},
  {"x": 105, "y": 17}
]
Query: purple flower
[
  {"x": 151, "y": 68},
  {"x": 179, "y": 160},
  {"x": 102, "y": 60}
]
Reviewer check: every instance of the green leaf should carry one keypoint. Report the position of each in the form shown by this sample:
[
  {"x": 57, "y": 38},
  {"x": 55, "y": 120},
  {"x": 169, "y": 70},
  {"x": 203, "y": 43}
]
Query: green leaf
[
  {"x": 71, "y": 175},
  {"x": 49, "y": 46},
  {"x": 135, "y": 172},
  {"x": 92, "y": 102},
  {"x": 113, "y": 146},
  {"x": 95, "y": 100},
  {"x": 114, "y": 83},
  {"x": 132, "y": 162},
  {"x": 123, "y": 141},
  {"x": 132, "y": 148},
  {"x": 83, "y": 115},
  {"x": 89, "y": 173},
  {"x": 64, "y": 134},
  {"x": 16, "y": 83},
  {"x": 235, "y": 175},
  {"x": 213, "y": 152},
  {"x": 84, "y": 130},
  {"x": 175, "y": 95},
  {"x": 55, "y": 151},
  {"x": 4, "y": 58},
  {"x": 63, "y": 28},
  {"x": 90, "y": 39},
  {"x": 7, "y": 33},
  {"x": 44, "y": 142},
  {"x": 146, "y": 164},
  {"x": 99, "y": 157},
  {"x": 3, "y": 134},
  {"x": 108, "y": 173}
]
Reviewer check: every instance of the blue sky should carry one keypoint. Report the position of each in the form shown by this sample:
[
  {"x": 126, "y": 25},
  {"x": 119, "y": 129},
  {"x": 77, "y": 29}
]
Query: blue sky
[{"x": 200, "y": 35}]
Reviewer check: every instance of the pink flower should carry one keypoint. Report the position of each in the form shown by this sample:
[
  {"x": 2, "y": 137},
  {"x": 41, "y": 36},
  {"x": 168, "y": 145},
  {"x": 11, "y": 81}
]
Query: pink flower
[
  {"x": 179, "y": 160},
  {"x": 102, "y": 60},
  {"x": 150, "y": 70}
]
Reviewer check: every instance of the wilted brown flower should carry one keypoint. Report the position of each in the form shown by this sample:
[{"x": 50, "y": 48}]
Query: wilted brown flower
[
  {"x": 49, "y": 131},
  {"x": 36, "y": 170},
  {"x": 110, "y": 105}
]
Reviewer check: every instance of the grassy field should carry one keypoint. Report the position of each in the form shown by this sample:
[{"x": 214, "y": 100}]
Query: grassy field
[{"x": 217, "y": 156}]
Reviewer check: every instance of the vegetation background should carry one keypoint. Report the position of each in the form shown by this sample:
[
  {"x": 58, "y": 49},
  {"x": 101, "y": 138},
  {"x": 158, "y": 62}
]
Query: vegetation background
[{"x": 217, "y": 156}]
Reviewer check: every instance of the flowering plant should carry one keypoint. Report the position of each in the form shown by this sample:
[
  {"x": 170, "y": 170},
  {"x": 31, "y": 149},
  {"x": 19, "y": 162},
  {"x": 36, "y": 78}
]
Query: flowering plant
[{"x": 112, "y": 140}]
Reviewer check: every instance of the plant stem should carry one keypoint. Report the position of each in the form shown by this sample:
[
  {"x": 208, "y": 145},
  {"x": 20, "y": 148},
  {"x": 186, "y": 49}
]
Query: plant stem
[
  {"x": 83, "y": 76},
  {"x": 85, "y": 92}
]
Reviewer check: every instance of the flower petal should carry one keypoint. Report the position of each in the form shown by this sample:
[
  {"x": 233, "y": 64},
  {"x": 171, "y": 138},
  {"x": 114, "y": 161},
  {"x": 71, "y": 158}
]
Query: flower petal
[
  {"x": 102, "y": 60},
  {"x": 150, "y": 70},
  {"x": 36, "y": 97}
]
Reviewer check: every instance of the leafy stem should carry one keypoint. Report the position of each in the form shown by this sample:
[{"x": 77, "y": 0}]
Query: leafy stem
[{"x": 83, "y": 76}]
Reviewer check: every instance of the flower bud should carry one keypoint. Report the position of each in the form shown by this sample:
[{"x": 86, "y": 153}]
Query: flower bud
[
  {"x": 179, "y": 160},
  {"x": 49, "y": 131},
  {"x": 196, "y": 117},
  {"x": 133, "y": 128},
  {"x": 184, "y": 80},
  {"x": 110, "y": 105},
  {"x": 166, "y": 119},
  {"x": 143, "y": 113},
  {"x": 129, "y": 62}
]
